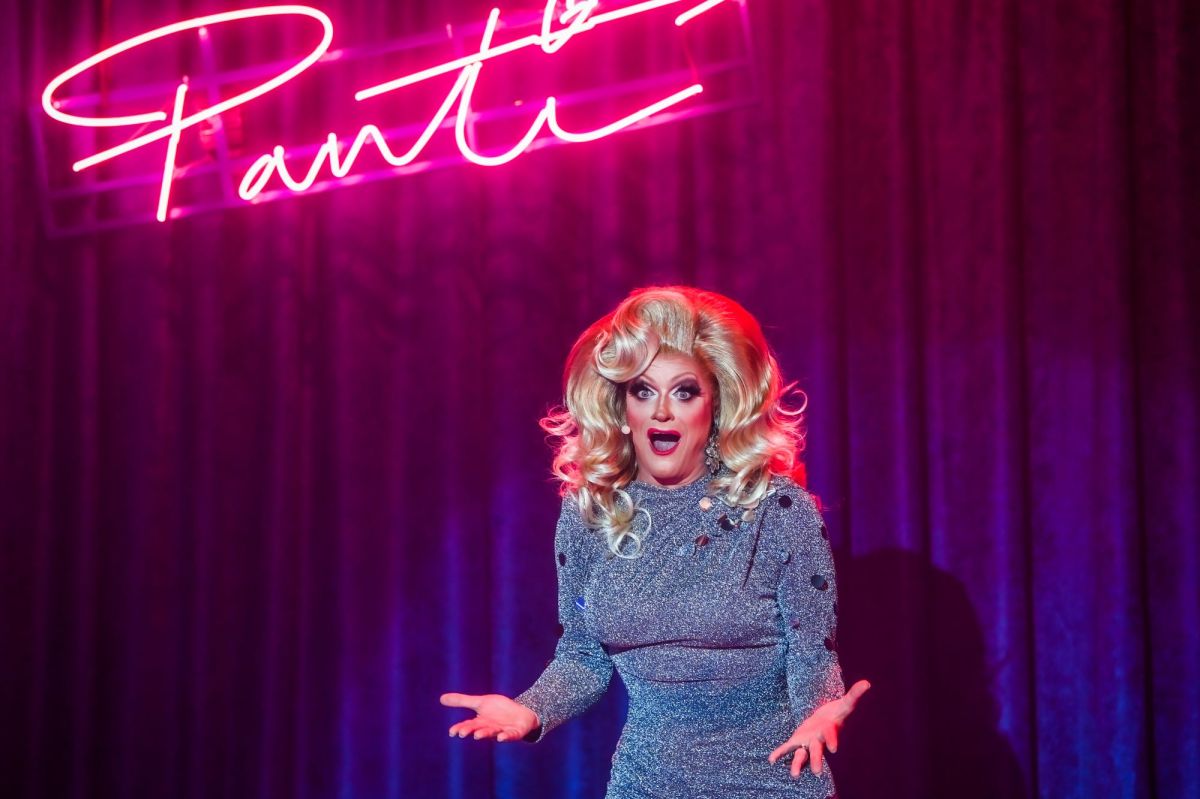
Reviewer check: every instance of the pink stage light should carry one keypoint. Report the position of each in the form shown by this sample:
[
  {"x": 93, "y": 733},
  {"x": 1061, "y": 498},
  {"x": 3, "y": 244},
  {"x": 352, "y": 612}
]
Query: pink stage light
[
  {"x": 575, "y": 17},
  {"x": 259, "y": 174},
  {"x": 620, "y": 124},
  {"x": 695, "y": 11},
  {"x": 51, "y": 108},
  {"x": 544, "y": 39},
  {"x": 164, "y": 192},
  {"x": 468, "y": 90},
  {"x": 578, "y": 18}
]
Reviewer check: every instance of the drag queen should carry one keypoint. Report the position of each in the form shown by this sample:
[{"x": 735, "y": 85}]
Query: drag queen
[{"x": 690, "y": 560}]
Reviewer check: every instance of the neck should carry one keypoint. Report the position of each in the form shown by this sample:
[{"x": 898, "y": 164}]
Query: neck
[{"x": 644, "y": 476}]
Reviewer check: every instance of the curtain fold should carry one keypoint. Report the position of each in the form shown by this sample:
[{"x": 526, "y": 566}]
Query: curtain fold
[{"x": 271, "y": 478}]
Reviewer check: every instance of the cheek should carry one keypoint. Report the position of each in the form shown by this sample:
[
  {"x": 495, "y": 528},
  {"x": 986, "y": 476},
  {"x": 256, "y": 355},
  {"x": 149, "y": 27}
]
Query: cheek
[
  {"x": 698, "y": 418},
  {"x": 636, "y": 414}
]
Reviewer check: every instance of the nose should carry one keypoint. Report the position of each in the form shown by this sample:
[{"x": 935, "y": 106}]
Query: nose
[{"x": 661, "y": 412}]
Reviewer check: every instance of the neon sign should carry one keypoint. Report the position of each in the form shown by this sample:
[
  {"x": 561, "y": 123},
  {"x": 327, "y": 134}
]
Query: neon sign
[{"x": 561, "y": 21}]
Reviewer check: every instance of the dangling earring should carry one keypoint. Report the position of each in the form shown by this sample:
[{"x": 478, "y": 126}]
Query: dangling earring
[
  {"x": 712, "y": 455},
  {"x": 625, "y": 429}
]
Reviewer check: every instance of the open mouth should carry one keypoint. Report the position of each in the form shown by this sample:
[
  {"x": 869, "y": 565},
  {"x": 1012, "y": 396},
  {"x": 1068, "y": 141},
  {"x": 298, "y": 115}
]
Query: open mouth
[{"x": 663, "y": 442}]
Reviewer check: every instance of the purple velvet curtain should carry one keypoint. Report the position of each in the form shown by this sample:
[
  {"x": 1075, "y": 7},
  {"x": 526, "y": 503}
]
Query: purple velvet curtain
[{"x": 271, "y": 479}]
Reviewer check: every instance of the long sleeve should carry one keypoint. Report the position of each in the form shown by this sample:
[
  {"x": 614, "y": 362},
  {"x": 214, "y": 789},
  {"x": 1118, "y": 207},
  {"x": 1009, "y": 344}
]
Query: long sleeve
[
  {"x": 807, "y": 596},
  {"x": 580, "y": 671}
]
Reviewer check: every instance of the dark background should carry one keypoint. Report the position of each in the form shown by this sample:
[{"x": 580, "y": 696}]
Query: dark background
[{"x": 271, "y": 478}]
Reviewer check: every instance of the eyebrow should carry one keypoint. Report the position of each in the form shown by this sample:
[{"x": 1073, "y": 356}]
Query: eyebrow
[{"x": 677, "y": 380}]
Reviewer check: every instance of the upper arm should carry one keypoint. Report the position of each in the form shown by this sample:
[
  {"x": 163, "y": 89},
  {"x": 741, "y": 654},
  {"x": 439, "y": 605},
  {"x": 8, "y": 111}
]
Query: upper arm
[
  {"x": 807, "y": 595},
  {"x": 580, "y": 670}
]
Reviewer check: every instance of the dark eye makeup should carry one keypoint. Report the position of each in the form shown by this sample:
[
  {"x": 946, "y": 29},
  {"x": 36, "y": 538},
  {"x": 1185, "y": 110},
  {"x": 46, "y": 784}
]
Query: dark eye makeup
[{"x": 690, "y": 387}]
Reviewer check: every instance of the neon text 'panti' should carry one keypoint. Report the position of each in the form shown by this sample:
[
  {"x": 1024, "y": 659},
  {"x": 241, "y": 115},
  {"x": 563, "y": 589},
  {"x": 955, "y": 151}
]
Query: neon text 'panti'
[{"x": 561, "y": 22}]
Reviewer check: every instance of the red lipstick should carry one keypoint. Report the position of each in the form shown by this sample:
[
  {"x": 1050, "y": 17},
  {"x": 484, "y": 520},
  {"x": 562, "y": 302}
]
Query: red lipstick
[{"x": 657, "y": 435}]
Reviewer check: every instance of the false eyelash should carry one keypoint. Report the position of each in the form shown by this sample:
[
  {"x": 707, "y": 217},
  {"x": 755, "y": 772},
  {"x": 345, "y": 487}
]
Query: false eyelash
[{"x": 690, "y": 388}]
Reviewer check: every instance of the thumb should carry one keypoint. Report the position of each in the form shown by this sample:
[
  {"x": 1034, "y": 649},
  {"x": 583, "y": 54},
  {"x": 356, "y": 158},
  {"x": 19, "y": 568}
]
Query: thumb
[
  {"x": 460, "y": 700},
  {"x": 856, "y": 691}
]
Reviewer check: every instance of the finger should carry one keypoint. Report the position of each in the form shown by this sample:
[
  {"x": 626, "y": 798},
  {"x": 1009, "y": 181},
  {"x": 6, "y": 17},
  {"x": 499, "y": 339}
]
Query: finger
[
  {"x": 460, "y": 700},
  {"x": 485, "y": 731},
  {"x": 816, "y": 752},
  {"x": 782, "y": 749},
  {"x": 778, "y": 752},
  {"x": 798, "y": 762},
  {"x": 831, "y": 737},
  {"x": 855, "y": 693},
  {"x": 465, "y": 728}
]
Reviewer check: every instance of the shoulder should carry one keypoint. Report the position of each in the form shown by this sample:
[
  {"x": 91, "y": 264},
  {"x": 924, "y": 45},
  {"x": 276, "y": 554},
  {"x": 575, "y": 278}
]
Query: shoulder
[
  {"x": 571, "y": 532},
  {"x": 569, "y": 506},
  {"x": 792, "y": 514},
  {"x": 570, "y": 519},
  {"x": 787, "y": 494}
]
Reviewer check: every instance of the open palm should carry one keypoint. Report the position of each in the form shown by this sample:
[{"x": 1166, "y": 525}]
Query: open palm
[
  {"x": 819, "y": 730},
  {"x": 495, "y": 715}
]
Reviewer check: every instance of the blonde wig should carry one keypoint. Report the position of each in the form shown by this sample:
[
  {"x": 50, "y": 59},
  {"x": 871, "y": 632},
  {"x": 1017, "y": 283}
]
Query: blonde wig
[{"x": 757, "y": 434}]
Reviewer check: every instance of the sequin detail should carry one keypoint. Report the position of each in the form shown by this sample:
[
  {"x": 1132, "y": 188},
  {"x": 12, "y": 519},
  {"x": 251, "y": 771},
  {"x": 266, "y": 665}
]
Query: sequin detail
[{"x": 723, "y": 651}]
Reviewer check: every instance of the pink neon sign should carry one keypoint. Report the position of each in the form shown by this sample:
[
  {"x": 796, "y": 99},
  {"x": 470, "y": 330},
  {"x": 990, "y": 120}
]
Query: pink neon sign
[{"x": 557, "y": 29}]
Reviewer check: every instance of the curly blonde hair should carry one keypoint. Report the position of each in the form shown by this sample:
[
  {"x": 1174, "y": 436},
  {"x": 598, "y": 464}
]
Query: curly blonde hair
[{"x": 757, "y": 434}]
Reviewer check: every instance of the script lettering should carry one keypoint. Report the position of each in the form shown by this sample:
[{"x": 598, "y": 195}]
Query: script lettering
[{"x": 557, "y": 29}]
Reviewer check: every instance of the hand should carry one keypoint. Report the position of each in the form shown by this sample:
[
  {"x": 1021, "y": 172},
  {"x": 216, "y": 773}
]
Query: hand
[
  {"x": 496, "y": 715},
  {"x": 819, "y": 729}
]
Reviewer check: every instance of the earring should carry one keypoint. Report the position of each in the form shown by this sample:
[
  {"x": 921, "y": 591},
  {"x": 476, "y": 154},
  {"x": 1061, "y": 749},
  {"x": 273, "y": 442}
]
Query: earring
[
  {"x": 712, "y": 455},
  {"x": 625, "y": 429}
]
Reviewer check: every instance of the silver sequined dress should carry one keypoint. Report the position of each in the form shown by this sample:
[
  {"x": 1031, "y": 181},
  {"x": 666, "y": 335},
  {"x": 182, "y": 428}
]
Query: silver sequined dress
[{"x": 723, "y": 632}]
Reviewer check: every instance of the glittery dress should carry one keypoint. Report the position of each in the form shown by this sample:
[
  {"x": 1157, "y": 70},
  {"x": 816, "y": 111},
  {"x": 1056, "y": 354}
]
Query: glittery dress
[{"x": 723, "y": 632}]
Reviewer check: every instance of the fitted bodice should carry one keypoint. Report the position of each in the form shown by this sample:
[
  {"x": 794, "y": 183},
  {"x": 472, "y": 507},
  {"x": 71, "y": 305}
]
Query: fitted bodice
[
  {"x": 722, "y": 628},
  {"x": 699, "y": 602}
]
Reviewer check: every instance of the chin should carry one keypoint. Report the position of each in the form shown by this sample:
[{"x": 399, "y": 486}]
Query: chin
[{"x": 667, "y": 473}]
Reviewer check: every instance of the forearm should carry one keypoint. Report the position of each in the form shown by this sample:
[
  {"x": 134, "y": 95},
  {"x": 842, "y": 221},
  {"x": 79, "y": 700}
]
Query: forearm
[
  {"x": 814, "y": 677},
  {"x": 567, "y": 687},
  {"x": 581, "y": 670},
  {"x": 808, "y": 601}
]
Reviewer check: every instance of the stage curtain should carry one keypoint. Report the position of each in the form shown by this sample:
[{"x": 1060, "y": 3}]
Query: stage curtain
[{"x": 271, "y": 479}]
